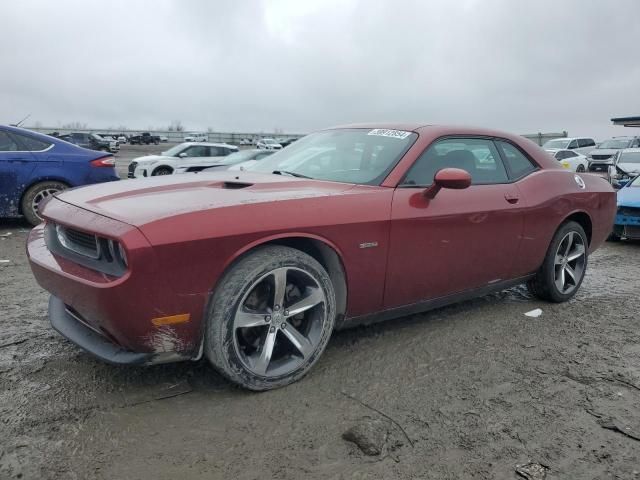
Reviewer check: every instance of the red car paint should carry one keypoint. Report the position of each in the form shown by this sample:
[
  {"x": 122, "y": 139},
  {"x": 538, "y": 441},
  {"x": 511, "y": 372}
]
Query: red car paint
[{"x": 182, "y": 232}]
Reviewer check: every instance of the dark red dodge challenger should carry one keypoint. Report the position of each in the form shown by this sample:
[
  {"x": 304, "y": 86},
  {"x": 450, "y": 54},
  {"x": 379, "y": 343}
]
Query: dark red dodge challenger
[{"x": 254, "y": 269}]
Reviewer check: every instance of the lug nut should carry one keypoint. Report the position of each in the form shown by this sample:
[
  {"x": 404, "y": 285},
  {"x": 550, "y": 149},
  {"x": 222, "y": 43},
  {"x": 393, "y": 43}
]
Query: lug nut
[
  {"x": 272, "y": 329},
  {"x": 267, "y": 318},
  {"x": 283, "y": 325},
  {"x": 276, "y": 308},
  {"x": 286, "y": 312}
]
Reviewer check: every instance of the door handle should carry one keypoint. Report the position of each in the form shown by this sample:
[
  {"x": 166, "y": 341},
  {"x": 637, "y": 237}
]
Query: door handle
[{"x": 511, "y": 197}]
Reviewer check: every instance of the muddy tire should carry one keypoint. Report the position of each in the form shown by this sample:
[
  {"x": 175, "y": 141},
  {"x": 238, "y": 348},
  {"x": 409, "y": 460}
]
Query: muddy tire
[
  {"x": 162, "y": 171},
  {"x": 270, "y": 318},
  {"x": 564, "y": 266},
  {"x": 34, "y": 196}
]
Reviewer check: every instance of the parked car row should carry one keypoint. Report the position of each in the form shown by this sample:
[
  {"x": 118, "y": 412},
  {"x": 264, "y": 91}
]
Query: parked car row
[
  {"x": 92, "y": 141},
  {"x": 583, "y": 154}
]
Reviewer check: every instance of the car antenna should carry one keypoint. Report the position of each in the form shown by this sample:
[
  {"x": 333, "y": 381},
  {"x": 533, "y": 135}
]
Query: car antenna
[{"x": 21, "y": 121}]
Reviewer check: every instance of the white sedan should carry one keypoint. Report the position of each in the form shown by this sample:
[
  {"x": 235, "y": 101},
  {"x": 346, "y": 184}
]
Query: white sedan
[
  {"x": 184, "y": 153},
  {"x": 570, "y": 159},
  {"x": 268, "y": 144}
]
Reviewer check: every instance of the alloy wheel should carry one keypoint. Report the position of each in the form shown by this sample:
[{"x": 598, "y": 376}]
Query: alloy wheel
[
  {"x": 570, "y": 260},
  {"x": 279, "y": 322},
  {"x": 40, "y": 196}
]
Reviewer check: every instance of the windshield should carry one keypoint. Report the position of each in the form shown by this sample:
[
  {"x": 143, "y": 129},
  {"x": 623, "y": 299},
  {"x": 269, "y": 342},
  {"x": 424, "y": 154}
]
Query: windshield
[
  {"x": 629, "y": 157},
  {"x": 635, "y": 182},
  {"x": 269, "y": 140},
  {"x": 238, "y": 157},
  {"x": 615, "y": 143},
  {"x": 361, "y": 156},
  {"x": 556, "y": 144},
  {"x": 175, "y": 150}
]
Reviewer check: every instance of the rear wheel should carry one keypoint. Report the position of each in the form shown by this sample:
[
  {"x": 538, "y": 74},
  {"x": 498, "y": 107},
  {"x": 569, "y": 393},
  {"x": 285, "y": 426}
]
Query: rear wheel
[
  {"x": 564, "y": 266},
  {"x": 34, "y": 196},
  {"x": 270, "y": 318}
]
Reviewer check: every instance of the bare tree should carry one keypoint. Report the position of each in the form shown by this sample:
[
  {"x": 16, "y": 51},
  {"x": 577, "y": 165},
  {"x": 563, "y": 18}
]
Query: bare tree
[{"x": 176, "y": 126}]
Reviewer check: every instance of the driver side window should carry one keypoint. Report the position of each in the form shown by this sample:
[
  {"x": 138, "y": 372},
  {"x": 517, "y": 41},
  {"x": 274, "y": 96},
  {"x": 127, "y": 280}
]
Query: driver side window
[{"x": 478, "y": 156}]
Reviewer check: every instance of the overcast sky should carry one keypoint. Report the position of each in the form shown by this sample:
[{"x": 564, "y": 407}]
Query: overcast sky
[{"x": 299, "y": 65}]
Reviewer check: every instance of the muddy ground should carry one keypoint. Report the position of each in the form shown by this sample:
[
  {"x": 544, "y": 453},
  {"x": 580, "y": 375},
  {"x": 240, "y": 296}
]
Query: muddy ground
[{"x": 478, "y": 388}]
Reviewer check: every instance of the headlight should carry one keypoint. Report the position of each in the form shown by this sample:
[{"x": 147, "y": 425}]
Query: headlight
[{"x": 117, "y": 252}]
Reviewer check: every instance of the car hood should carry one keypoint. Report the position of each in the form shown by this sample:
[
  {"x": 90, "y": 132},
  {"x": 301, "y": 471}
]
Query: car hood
[
  {"x": 629, "y": 167},
  {"x": 629, "y": 197},
  {"x": 603, "y": 151},
  {"x": 140, "y": 202}
]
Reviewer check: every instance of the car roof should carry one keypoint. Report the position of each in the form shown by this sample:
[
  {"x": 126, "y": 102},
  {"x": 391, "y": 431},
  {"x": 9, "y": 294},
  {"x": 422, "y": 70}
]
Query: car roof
[{"x": 570, "y": 138}]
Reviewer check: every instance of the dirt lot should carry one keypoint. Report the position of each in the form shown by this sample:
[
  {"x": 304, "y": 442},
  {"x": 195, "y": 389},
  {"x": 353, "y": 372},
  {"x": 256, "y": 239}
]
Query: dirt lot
[{"x": 478, "y": 388}]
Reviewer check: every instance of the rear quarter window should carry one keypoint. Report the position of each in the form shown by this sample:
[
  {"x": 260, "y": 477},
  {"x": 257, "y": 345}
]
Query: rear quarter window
[
  {"x": 518, "y": 163},
  {"x": 32, "y": 144}
]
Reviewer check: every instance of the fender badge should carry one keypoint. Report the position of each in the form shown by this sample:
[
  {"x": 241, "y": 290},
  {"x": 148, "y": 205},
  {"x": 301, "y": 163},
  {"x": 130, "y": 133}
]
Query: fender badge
[
  {"x": 368, "y": 245},
  {"x": 579, "y": 181}
]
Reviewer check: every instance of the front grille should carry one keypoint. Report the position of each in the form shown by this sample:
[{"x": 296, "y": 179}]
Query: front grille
[
  {"x": 79, "y": 242},
  {"x": 598, "y": 167},
  {"x": 98, "y": 253},
  {"x": 132, "y": 169},
  {"x": 629, "y": 211},
  {"x": 601, "y": 157},
  {"x": 632, "y": 232}
]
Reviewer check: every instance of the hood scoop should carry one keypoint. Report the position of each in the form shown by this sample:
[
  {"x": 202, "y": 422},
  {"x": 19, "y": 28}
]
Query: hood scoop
[{"x": 236, "y": 185}]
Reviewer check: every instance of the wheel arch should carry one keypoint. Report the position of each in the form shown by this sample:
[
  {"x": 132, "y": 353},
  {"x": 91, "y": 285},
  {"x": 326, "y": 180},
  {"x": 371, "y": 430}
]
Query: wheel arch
[
  {"x": 584, "y": 220},
  {"x": 47, "y": 178},
  {"x": 319, "y": 248},
  {"x": 160, "y": 166}
]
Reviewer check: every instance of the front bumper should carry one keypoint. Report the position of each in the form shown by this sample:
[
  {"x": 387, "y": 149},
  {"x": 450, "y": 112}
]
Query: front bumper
[
  {"x": 72, "y": 328},
  {"x": 599, "y": 166},
  {"x": 627, "y": 225},
  {"x": 119, "y": 310}
]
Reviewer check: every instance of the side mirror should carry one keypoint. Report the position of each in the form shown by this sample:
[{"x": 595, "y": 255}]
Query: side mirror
[
  {"x": 453, "y": 178},
  {"x": 182, "y": 155}
]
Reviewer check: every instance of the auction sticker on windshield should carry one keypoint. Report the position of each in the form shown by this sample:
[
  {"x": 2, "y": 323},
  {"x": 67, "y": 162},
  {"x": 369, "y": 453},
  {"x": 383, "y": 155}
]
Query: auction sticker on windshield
[{"x": 385, "y": 132}]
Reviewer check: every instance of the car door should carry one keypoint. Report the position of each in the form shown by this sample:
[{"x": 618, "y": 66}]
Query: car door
[
  {"x": 16, "y": 165},
  {"x": 460, "y": 239}
]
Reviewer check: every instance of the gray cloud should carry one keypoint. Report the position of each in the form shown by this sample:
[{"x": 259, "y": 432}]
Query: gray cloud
[{"x": 245, "y": 65}]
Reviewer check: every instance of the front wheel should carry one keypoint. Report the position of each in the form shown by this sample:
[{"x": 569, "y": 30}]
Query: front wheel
[
  {"x": 270, "y": 318},
  {"x": 580, "y": 169},
  {"x": 564, "y": 266},
  {"x": 162, "y": 171},
  {"x": 35, "y": 195}
]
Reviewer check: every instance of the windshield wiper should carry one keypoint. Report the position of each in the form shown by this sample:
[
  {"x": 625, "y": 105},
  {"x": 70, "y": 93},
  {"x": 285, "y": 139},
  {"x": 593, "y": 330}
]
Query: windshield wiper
[{"x": 291, "y": 174}]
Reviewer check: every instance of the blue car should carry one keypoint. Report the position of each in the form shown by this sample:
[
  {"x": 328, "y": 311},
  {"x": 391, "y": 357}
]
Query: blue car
[
  {"x": 627, "y": 223},
  {"x": 35, "y": 166}
]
